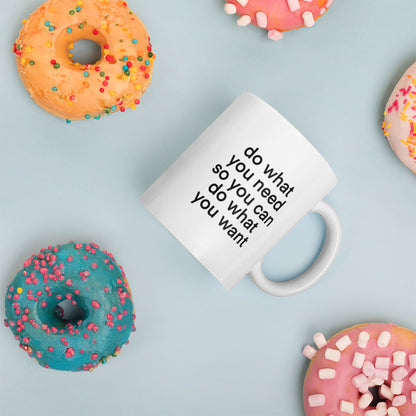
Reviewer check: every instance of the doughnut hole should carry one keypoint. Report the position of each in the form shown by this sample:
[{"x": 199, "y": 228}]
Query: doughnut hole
[
  {"x": 85, "y": 52},
  {"x": 69, "y": 312},
  {"x": 77, "y": 46},
  {"x": 60, "y": 313},
  {"x": 376, "y": 396}
]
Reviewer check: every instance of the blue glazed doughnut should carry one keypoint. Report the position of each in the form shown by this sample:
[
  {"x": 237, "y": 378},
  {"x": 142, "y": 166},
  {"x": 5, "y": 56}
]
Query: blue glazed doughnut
[{"x": 87, "y": 277}]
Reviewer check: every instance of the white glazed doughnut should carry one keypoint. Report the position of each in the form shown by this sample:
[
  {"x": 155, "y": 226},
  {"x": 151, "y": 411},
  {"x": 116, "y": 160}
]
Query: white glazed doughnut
[{"x": 399, "y": 125}]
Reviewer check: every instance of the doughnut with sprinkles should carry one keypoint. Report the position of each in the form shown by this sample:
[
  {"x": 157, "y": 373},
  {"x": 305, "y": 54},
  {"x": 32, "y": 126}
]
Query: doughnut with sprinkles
[
  {"x": 399, "y": 125},
  {"x": 74, "y": 91},
  {"x": 97, "y": 289}
]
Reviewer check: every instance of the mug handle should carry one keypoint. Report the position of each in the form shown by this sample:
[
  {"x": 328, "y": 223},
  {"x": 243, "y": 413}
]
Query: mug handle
[{"x": 319, "y": 267}]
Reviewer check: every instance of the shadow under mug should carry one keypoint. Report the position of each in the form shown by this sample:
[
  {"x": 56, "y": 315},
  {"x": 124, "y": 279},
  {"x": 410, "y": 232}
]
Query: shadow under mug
[{"x": 240, "y": 188}]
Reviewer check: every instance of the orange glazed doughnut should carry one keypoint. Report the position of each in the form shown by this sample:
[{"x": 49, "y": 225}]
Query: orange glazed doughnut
[
  {"x": 366, "y": 370},
  {"x": 73, "y": 91}
]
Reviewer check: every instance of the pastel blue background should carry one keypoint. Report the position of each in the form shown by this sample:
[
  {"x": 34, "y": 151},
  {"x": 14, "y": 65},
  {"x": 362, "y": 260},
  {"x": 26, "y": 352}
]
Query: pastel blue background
[{"x": 200, "y": 350}]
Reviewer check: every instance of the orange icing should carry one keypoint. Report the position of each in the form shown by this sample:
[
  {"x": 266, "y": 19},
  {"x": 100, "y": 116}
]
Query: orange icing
[{"x": 73, "y": 91}]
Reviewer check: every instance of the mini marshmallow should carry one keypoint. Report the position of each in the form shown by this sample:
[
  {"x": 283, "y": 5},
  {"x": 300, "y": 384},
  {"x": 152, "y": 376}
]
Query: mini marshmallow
[
  {"x": 399, "y": 400},
  {"x": 382, "y": 362},
  {"x": 365, "y": 400},
  {"x": 385, "y": 392},
  {"x": 396, "y": 387},
  {"x": 413, "y": 397},
  {"x": 319, "y": 340},
  {"x": 309, "y": 351},
  {"x": 346, "y": 407},
  {"x": 275, "y": 35},
  {"x": 377, "y": 381},
  {"x": 243, "y": 2},
  {"x": 381, "y": 408},
  {"x": 230, "y": 8},
  {"x": 371, "y": 413},
  {"x": 384, "y": 339},
  {"x": 363, "y": 339},
  {"x": 308, "y": 19},
  {"x": 261, "y": 19},
  {"x": 381, "y": 373},
  {"x": 412, "y": 379},
  {"x": 399, "y": 358},
  {"x": 326, "y": 373},
  {"x": 364, "y": 388},
  {"x": 412, "y": 360},
  {"x": 392, "y": 411},
  {"x": 368, "y": 368},
  {"x": 244, "y": 20},
  {"x": 293, "y": 5},
  {"x": 332, "y": 355},
  {"x": 343, "y": 342},
  {"x": 399, "y": 373},
  {"x": 316, "y": 400},
  {"x": 359, "y": 380},
  {"x": 358, "y": 360}
]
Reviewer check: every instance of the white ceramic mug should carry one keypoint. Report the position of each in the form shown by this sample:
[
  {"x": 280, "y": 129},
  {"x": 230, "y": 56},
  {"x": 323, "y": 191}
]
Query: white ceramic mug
[{"x": 239, "y": 188}]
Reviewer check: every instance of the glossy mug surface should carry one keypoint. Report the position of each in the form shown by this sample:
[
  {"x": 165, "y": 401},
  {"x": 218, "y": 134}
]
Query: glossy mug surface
[{"x": 240, "y": 188}]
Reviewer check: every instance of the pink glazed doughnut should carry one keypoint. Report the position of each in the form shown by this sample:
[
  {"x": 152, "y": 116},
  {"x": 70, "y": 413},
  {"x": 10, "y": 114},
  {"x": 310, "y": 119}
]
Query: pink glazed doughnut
[
  {"x": 366, "y": 370},
  {"x": 277, "y": 16},
  {"x": 399, "y": 124}
]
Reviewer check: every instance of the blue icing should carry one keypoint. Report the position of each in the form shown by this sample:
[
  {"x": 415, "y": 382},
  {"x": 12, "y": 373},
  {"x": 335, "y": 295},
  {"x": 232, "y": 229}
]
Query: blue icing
[{"x": 92, "y": 279}]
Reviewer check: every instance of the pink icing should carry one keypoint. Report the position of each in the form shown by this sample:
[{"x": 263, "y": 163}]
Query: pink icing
[
  {"x": 350, "y": 383},
  {"x": 280, "y": 15}
]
